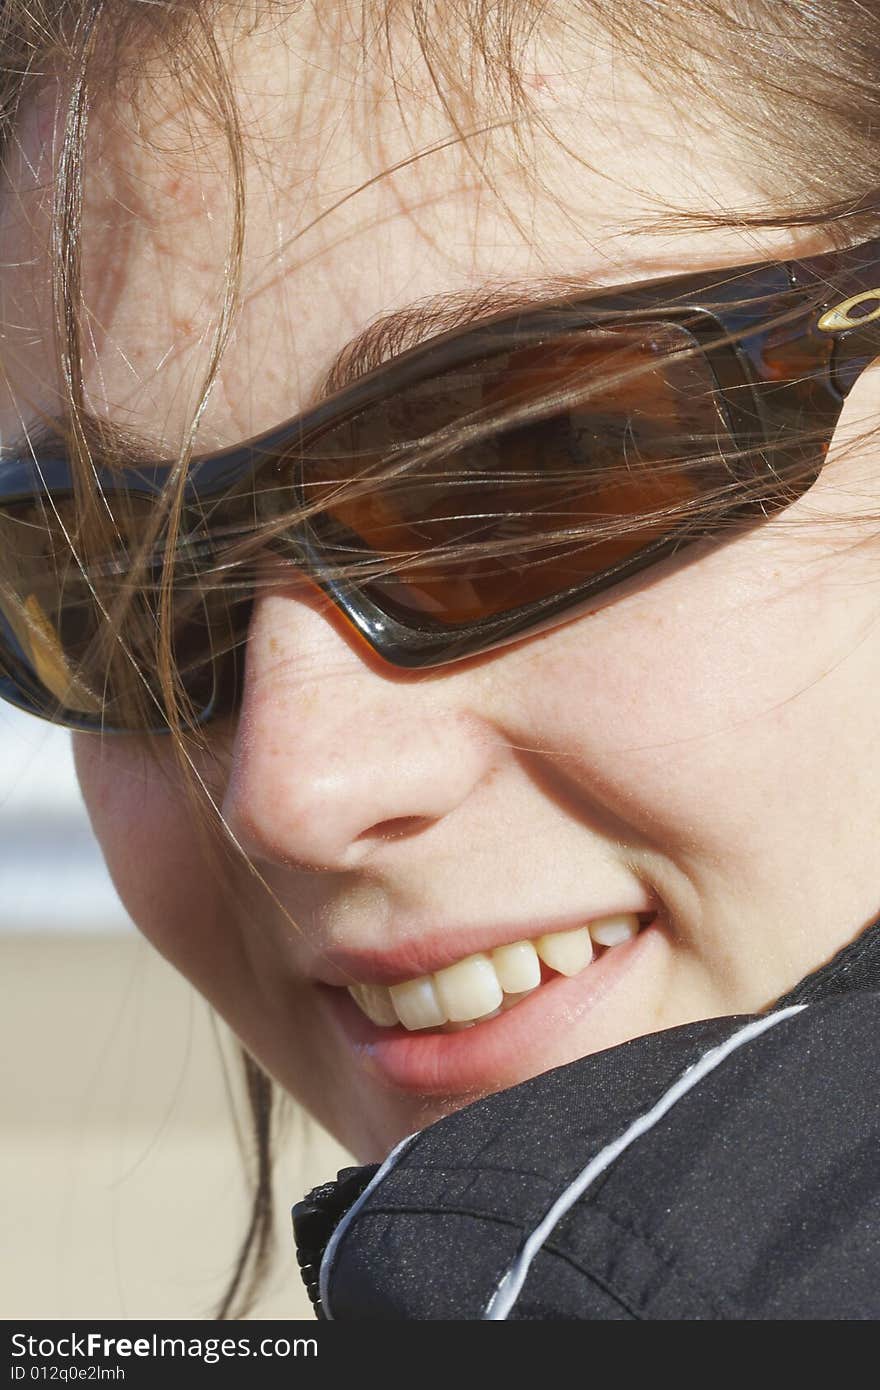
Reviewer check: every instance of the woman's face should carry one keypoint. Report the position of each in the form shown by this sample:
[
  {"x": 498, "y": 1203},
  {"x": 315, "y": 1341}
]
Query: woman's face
[{"x": 702, "y": 750}]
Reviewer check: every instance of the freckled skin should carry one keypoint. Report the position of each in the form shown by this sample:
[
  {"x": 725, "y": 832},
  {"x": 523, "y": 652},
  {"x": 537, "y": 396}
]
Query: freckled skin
[{"x": 712, "y": 735}]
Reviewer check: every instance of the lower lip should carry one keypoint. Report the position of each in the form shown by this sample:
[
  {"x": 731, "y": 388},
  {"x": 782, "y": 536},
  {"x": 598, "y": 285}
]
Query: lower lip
[{"x": 546, "y": 1030}]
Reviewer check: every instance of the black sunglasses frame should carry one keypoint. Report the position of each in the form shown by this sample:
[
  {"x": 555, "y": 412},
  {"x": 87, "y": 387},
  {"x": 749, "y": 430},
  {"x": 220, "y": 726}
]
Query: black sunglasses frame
[{"x": 818, "y": 317}]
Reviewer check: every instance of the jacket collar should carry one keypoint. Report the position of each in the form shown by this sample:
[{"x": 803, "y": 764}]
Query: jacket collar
[{"x": 856, "y": 966}]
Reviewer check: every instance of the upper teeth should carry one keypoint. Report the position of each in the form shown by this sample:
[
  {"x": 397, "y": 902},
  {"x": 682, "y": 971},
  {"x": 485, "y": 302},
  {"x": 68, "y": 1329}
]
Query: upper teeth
[{"x": 483, "y": 983}]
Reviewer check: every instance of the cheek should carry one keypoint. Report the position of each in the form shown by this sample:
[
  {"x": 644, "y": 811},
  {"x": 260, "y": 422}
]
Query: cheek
[
  {"x": 726, "y": 723},
  {"x": 154, "y": 853}
]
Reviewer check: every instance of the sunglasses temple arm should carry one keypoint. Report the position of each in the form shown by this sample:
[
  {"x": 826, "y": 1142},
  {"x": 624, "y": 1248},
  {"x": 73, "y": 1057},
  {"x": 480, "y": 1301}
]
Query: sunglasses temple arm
[{"x": 854, "y": 352}]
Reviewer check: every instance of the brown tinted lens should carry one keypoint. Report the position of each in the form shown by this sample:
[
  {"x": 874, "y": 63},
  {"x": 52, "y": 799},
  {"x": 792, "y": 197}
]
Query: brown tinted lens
[
  {"x": 512, "y": 475},
  {"x": 81, "y": 640}
]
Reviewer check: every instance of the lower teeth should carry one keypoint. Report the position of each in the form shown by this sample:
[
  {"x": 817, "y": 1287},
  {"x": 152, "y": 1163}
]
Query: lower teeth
[{"x": 510, "y": 1000}]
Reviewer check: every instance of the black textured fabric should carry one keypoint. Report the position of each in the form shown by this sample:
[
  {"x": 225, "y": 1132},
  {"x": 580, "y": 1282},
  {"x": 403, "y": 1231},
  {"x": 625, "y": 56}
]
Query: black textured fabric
[{"x": 756, "y": 1197}]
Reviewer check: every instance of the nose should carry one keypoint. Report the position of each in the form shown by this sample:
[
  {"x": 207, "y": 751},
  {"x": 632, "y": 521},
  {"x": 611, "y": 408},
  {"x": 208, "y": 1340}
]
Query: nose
[{"x": 334, "y": 755}]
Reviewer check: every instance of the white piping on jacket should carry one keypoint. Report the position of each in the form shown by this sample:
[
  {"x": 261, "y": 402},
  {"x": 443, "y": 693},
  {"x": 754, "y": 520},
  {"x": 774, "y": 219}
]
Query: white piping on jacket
[
  {"x": 508, "y": 1290},
  {"x": 333, "y": 1243}
]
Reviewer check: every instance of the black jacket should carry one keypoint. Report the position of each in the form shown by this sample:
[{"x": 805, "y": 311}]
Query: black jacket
[{"x": 728, "y": 1169}]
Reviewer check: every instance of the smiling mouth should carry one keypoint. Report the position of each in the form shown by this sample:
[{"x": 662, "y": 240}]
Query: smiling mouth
[{"x": 481, "y": 986}]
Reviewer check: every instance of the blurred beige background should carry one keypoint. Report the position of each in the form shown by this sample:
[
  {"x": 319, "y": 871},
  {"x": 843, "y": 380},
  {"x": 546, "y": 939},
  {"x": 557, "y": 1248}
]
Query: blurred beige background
[{"x": 123, "y": 1192}]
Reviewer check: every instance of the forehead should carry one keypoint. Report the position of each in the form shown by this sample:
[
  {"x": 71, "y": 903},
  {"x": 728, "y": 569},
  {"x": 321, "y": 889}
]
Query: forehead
[{"x": 360, "y": 182}]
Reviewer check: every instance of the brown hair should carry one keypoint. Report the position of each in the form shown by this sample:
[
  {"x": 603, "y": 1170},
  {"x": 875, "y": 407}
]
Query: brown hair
[{"x": 794, "y": 85}]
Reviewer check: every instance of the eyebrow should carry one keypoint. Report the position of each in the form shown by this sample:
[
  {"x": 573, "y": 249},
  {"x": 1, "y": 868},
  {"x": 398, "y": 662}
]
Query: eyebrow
[
  {"x": 383, "y": 339},
  {"x": 391, "y": 334}
]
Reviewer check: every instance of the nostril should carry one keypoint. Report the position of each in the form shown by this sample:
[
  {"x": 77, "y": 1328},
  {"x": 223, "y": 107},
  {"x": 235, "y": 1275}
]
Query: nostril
[{"x": 396, "y": 829}]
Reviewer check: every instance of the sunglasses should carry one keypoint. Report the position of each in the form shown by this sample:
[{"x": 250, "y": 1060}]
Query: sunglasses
[{"x": 484, "y": 486}]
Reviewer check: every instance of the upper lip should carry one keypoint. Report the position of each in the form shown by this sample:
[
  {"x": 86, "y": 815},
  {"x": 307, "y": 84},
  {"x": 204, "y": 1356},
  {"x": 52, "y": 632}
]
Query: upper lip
[{"x": 432, "y": 949}]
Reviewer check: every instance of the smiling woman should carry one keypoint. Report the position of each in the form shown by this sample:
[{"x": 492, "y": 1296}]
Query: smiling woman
[{"x": 440, "y": 484}]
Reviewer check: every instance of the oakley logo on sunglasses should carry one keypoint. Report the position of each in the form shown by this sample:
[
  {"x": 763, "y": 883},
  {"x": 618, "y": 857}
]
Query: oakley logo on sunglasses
[{"x": 837, "y": 319}]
